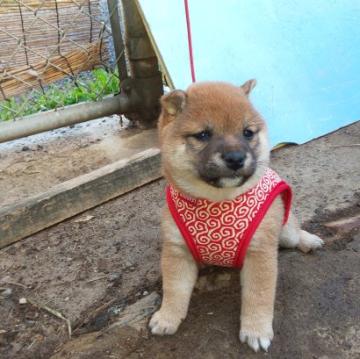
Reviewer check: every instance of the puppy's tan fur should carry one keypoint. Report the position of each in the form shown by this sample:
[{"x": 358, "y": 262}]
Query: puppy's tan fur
[{"x": 226, "y": 111}]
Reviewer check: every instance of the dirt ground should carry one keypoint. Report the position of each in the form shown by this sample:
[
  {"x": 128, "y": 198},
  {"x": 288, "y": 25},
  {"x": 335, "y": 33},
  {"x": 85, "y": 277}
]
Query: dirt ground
[{"x": 92, "y": 268}]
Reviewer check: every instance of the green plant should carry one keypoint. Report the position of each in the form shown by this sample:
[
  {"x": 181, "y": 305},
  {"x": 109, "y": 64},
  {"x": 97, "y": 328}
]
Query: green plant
[{"x": 95, "y": 86}]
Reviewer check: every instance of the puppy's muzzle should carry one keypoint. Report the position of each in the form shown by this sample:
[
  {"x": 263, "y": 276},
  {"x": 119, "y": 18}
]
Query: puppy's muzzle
[{"x": 234, "y": 159}]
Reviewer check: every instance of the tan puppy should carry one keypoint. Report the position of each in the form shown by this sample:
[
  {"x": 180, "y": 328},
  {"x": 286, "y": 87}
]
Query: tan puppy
[{"x": 214, "y": 146}]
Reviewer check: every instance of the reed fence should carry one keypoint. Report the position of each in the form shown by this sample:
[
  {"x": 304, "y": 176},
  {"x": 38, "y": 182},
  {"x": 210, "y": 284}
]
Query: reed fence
[{"x": 42, "y": 42}]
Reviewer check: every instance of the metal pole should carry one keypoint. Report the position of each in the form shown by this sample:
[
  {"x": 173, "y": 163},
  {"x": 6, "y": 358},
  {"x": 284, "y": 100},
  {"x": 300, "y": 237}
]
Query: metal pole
[
  {"x": 70, "y": 115},
  {"x": 113, "y": 6}
]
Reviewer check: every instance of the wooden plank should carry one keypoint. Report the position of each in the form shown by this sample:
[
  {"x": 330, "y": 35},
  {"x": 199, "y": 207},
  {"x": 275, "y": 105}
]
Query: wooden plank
[{"x": 77, "y": 195}]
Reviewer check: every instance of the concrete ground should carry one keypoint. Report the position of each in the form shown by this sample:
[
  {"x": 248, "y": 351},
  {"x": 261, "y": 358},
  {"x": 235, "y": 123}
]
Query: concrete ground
[
  {"x": 30, "y": 165},
  {"x": 101, "y": 271}
]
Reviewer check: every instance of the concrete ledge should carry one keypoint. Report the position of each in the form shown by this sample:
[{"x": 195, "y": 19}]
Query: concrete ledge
[{"x": 77, "y": 195}]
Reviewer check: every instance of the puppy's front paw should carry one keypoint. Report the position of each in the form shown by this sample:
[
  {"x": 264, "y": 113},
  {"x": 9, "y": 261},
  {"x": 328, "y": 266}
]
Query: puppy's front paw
[
  {"x": 255, "y": 341},
  {"x": 163, "y": 323},
  {"x": 309, "y": 241}
]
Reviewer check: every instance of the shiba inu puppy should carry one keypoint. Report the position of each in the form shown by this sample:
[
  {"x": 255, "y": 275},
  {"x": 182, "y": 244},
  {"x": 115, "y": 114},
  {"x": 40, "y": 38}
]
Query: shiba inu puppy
[{"x": 225, "y": 205}]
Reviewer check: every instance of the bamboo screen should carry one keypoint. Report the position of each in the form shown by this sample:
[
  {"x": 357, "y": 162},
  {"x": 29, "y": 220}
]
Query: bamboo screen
[{"x": 42, "y": 42}]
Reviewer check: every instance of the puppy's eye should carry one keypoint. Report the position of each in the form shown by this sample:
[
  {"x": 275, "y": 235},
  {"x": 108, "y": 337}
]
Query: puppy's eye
[
  {"x": 248, "y": 134},
  {"x": 203, "y": 135}
]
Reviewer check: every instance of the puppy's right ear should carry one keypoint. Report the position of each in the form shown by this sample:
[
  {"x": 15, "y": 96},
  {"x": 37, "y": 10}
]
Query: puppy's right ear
[{"x": 174, "y": 102}]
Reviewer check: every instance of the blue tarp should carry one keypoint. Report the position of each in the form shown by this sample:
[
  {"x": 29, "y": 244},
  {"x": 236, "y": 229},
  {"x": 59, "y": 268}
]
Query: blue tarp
[{"x": 304, "y": 54}]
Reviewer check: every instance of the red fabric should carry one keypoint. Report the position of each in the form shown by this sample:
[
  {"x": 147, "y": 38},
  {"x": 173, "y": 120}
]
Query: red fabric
[{"x": 219, "y": 233}]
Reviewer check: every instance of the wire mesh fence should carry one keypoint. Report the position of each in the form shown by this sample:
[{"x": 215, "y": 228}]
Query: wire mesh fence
[{"x": 54, "y": 53}]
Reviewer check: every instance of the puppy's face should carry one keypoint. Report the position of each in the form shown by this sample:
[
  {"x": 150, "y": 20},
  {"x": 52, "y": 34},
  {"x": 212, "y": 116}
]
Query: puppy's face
[{"x": 211, "y": 133}]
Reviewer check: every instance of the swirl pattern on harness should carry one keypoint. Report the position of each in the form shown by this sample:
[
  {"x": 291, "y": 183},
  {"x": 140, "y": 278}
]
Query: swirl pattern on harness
[{"x": 217, "y": 228}]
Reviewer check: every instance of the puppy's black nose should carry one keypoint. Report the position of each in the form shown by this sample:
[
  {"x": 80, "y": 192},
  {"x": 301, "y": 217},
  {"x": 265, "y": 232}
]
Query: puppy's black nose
[{"x": 234, "y": 159}]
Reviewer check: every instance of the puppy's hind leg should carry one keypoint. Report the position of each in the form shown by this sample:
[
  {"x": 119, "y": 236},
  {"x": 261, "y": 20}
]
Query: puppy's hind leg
[
  {"x": 179, "y": 272},
  {"x": 292, "y": 236}
]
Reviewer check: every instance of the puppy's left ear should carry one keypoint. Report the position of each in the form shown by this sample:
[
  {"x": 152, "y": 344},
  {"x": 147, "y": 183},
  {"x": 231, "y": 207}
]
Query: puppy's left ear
[
  {"x": 174, "y": 102},
  {"x": 248, "y": 86}
]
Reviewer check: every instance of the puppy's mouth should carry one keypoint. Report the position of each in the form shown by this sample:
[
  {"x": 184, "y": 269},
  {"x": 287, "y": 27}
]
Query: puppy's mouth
[
  {"x": 235, "y": 180},
  {"x": 233, "y": 172}
]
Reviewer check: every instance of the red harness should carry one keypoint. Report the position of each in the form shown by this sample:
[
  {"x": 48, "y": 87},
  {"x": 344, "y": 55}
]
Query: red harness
[{"x": 219, "y": 233}]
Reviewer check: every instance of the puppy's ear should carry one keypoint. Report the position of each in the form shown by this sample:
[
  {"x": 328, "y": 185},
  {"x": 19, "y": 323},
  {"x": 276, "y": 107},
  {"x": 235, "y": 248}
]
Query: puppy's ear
[
  {"x": 248, "y": 86},
  {"x": 174, "y": 102}
]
